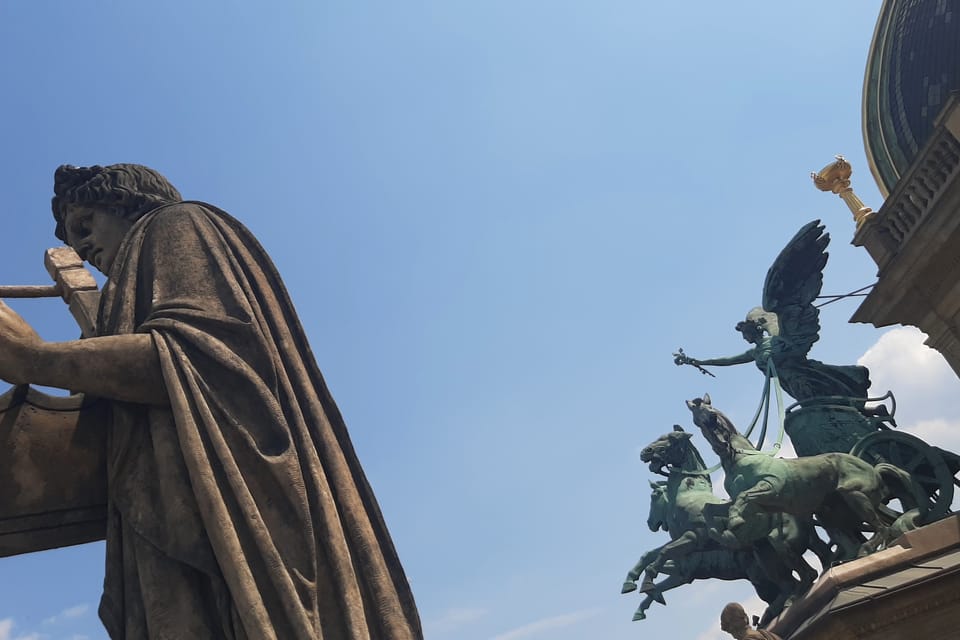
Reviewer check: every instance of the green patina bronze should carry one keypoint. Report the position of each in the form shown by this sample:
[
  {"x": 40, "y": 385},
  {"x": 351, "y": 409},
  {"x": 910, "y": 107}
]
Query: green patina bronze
[
  {"x": 842, "y": 490},
  {"x": 686, "y": 508},
  {"x": 782, "y": 331},
  {"x": 851, "y": 464}
]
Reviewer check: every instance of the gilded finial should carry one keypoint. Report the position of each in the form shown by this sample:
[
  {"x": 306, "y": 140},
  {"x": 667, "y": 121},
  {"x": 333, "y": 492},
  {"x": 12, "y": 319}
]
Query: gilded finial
[{"x": 835, "y": 177}]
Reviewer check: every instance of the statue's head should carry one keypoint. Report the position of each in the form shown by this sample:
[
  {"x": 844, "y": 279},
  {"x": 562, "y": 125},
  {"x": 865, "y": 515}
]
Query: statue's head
[
  {"x": 126, "y": 190},
  {"x": 758, "y": 323},
  {"x": 734, "y": 620},
  {"x": 95, "y": 206}
]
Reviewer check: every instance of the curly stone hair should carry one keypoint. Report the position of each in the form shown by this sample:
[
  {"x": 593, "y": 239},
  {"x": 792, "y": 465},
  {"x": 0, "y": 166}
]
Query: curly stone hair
[{"x": 129, "y": 189}]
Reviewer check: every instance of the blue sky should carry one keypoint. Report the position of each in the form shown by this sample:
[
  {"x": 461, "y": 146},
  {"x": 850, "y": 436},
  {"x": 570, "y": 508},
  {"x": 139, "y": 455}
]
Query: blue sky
[{"x": 497, "y": 220}]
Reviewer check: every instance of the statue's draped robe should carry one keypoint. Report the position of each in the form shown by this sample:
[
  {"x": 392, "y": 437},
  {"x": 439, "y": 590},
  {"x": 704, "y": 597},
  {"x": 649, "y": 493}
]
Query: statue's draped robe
[
  {"x": 804, "y": 378},
  {"x": 240, "y": 510}
]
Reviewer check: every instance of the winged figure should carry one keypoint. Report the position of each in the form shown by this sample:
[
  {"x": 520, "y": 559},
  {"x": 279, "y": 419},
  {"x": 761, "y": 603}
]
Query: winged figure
[{"x": 787, "y": 325}]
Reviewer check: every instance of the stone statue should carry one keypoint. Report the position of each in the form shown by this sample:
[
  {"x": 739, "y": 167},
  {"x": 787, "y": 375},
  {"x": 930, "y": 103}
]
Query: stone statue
[
  {"x": 734, "y": 621},
  {"x": 237, "y": 507},
  {"x": 784, "y": 329}
]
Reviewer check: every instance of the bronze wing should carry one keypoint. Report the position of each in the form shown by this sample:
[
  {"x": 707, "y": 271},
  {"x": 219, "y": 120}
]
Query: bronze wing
[{"x": 794, "y": 282}]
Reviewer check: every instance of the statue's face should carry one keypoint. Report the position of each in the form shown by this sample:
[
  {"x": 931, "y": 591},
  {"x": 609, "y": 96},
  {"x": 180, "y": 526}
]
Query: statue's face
[
  {"x": 750, "y": 332},
  {"x": 96, "y": 234}
]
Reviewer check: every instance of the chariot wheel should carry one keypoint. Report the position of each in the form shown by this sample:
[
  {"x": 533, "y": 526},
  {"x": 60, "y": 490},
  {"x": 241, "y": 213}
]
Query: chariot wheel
[{"x": 925, "y": 464}]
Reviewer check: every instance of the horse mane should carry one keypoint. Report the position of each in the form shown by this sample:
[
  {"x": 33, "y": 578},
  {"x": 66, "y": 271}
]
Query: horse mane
[
  {"x": 700, "y": 472},
  {"x": 727, "y": 423},
  {"x": 696, "y": 455}
]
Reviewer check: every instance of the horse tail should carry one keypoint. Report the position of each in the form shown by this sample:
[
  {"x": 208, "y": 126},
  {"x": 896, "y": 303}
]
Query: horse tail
[{"x": 900, "y": 484}]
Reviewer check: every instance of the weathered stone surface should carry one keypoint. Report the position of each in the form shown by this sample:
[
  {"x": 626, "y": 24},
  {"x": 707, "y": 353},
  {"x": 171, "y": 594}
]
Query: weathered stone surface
[
  {"x": 53, "y": 484},
  {"x": 235, "y": 504}
]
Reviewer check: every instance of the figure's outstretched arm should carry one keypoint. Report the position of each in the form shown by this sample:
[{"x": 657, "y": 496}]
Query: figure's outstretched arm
[
  {"x": 124, "y": 367},
  {"x": 743, "y": 358}
]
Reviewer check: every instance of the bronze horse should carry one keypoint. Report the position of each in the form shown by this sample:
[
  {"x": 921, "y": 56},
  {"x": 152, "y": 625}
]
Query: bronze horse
[
  {"x": 713, "y": 561},
  {"x": 832, "y": 486},
  {"x": 687, "y": 509}
]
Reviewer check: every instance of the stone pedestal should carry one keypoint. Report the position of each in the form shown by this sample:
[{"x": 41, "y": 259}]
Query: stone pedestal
[{"x": 911, "y": 590}]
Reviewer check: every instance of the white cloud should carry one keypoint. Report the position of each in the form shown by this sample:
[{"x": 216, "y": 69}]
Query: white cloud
[
  {"x": 943, "y": 433},
  {"x": 901, "y": 353},
  {"x": 75, "y": 612},
  {"x": 68, "y": 613},
  {"x": 455, "y": 618},
  {"x": 6, "y": 632},
  {"x": 546, "y": 624},
  {"x": 925, "y": 386},
  {"x": 921, "y": 379}
]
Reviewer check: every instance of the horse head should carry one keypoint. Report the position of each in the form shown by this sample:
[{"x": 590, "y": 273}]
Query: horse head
[
  {"x": 659, "y": 506},
  {"x": 669, "y": 450},
  {"x": 716, "y": 427}
]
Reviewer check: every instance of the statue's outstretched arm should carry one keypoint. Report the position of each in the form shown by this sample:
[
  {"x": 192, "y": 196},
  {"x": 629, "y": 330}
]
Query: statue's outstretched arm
[
  {"x": 743, "y": 358},
  {"x": 124, "y": 367}
]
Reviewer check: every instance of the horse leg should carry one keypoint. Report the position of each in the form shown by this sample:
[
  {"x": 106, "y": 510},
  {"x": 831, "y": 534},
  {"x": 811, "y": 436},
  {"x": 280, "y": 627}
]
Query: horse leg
[
  {"x": 656, "y": 595},
  {"x": 640, "y": 613},
  {"x": 800, "y": 536},
  {"x": 746, "y": 504},
  {"x": 674, "y": 550},
  {"x": 820, "y": 548},
  {"x": 630, "y": 584},
  {"x": 848, "y": 543},
  {"x": 866, "y": 510},
  {"x": 796, "y": 562},
  {"x": 778, "y": 573}
]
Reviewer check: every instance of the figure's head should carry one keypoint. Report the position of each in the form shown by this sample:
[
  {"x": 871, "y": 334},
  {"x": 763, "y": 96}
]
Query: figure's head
[
  {"x": 757, "y": 323},
  {"x": 750, "y": 330},
  {"x": 734, "y": 620},
  {"x": 95, "y": 206}
]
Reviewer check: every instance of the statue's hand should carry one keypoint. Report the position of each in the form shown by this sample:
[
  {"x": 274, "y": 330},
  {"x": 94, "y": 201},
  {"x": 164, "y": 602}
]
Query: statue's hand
[
  {"x": 680, "y": 358},
  {"x": 19, "y": 345}
]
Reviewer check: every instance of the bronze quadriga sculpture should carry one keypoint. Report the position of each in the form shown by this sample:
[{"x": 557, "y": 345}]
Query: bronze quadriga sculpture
[{"x": 852, "y": 462}]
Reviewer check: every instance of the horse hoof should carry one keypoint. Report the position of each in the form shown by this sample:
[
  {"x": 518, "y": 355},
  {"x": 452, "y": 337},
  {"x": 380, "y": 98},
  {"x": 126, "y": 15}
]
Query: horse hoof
[
  {"x": 647, "y": 586},
  {"x": 639, "y": 615},
  {"x": 628, "y": 587}
]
